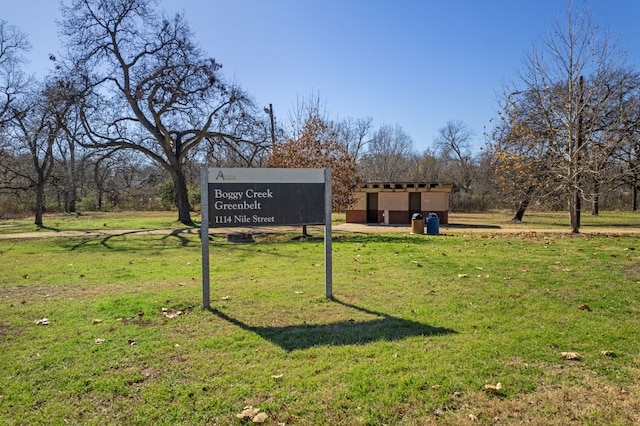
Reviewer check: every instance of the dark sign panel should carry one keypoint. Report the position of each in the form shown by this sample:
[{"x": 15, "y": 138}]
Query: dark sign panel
[
  {"x": 243, "y": 197},
  {"x": 266, "y": 197}
]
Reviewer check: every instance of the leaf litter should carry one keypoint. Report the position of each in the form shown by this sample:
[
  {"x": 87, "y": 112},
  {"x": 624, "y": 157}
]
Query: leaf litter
[{"x": 252, "y": 413}]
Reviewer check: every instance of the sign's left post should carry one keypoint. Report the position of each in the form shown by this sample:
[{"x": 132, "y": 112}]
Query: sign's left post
[{"x": 204, "y": 235}]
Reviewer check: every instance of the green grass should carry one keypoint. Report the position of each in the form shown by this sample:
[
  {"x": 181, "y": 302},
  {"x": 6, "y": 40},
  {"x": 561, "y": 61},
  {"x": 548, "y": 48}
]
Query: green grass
[
  {"x": 94, "y": 221},
  {"x": 533, "y": 220},
  {"x": 417, "y": 328},
  {"x": 102, "y": 221},
  {"x": 548, "y": 220}
]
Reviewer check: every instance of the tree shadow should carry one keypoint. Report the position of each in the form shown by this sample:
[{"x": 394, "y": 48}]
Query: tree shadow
[
  {"x": 47, "y": 228},
  {"x": 176, "y": 233},
  {"x": 106, "y": 240},
  {"x": 470, "y": 226},
  {"x": 304, "y": 336}
]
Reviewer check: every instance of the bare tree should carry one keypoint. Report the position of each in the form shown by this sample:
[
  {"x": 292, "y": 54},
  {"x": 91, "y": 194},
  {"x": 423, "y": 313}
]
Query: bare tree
[
  {"x": 37, "y": 121},
  {"x": 611, "y": 120},
  {"x": 556, "y": 115},
  {"x": 153, "y": 90},
  {"x": 389, "y": 156},
  {"x": 354, "y": 134},
  {"x": 428, "y": 168},
  {"x": 453, "y": 144},
  {"x": 628, "y": 159},
  {"x": 13, "y": 45},
  {"x": 305, "y": 109}
]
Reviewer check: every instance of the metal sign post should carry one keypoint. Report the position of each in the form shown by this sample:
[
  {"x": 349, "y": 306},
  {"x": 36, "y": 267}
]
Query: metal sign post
[
  {"x": 328, "y": 260},
  {"x": 204, "y": 236},
  {"x": 250, "y": 197}
]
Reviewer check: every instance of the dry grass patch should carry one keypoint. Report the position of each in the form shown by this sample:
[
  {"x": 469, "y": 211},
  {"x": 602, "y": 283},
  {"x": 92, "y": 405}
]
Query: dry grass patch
[{"x": 572, "y": 395}]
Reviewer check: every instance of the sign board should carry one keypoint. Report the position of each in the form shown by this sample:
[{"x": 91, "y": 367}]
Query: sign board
[
  {"x": 254, "y": 197},
  {"x": 266, "y": 197}
]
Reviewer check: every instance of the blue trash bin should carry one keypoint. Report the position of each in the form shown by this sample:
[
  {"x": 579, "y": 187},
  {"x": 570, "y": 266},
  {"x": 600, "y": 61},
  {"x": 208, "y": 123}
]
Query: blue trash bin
[{"x": 433, "y": 224}]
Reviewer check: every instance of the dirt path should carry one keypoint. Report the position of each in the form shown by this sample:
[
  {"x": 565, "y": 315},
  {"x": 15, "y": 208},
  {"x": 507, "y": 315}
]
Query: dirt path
[
  {"x": 456, "y": 228},
  {"x": 342, "y": 227}
]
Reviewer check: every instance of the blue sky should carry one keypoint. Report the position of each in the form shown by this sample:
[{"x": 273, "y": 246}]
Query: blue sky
[{"x": 415, "y": 63}]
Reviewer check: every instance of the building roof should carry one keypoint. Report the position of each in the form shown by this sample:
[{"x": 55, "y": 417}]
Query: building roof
[{"x": 406, "y": 187}]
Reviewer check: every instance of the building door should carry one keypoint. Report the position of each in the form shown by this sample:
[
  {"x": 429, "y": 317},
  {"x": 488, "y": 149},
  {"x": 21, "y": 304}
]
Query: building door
[
  {"x": 372, "y": 207},
  {"x": 415, "y": 206}
]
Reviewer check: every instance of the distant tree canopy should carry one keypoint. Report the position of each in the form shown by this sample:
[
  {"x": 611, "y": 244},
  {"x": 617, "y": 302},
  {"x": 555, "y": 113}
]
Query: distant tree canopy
[{"x": 389, "y": 156}]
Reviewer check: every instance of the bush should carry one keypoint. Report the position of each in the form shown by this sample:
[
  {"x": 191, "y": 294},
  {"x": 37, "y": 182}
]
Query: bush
[
  {"x": 194, "y": 196},
  {"x": 88, "y": 202},
  {"x": 167, "y": 193},
  {"x": 11, "y": 207},
  {"x": 467, "y": 202}
]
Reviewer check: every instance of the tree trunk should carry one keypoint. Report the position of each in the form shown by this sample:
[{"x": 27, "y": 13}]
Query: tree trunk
[
  {"x": 72, "y": 185},
  {"x": 634, "y": 194},
  {"x": 70, "y": 198},
  {"x": 71, "y": 194},
  {"x": 39, "y": 203},
  {"x": 182, "y": 197},
  {"x": 574, "y": 211},
  {"x": 595, "y": 206},
  {"x": 578, "y": 205},
  {"x": 521, "y": 209}
]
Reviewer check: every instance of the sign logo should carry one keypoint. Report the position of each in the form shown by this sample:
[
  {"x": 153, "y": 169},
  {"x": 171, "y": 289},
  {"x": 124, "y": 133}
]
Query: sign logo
[{"x": 221, "y": 176}]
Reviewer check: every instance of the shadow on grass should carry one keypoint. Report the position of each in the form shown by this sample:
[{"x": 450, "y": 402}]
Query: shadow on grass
[
  {"x": 48, "y": 228},
  {"x": 304, "y": 336},
  {"x": 372, "y": 238},
  {"x": 179, "y": 234},
  {"x": 470, "y": 226},
  {"x": 106, "y": 241},
  {"x": 176, "y": 233}
]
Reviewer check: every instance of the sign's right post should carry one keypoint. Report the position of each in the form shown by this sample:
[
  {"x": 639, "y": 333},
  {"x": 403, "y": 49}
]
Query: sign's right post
[{"x": 328, "y": 261}]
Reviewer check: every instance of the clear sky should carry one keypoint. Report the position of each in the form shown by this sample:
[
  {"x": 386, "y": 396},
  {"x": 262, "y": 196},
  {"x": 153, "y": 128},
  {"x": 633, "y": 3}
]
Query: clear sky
[{"x": 415, "y": 63}]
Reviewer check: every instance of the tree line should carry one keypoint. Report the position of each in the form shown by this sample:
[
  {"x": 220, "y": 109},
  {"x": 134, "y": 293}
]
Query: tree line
[{"x": 135, "y": 107}]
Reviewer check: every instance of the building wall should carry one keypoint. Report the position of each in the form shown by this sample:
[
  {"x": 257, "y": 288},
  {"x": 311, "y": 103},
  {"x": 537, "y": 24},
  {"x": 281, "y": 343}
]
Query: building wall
[
  {"x": 361, "y": 201},
  {"x": 435, "y": 201},
  {"x": 397, "y": 203},
  {"x": 394, "y": 201}
]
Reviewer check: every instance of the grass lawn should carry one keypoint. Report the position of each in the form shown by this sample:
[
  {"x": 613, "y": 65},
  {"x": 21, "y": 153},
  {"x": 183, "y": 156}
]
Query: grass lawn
[
  {"x": 94, "y": 221},
  {"x": 421, "y": 330},
  {"x": 105, "y": 221}
]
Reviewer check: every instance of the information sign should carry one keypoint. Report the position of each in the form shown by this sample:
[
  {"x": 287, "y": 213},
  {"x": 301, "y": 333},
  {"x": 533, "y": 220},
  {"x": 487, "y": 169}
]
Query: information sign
[
  {"x": 254, "y": 197},
  {"x": 258, "y": 197}
]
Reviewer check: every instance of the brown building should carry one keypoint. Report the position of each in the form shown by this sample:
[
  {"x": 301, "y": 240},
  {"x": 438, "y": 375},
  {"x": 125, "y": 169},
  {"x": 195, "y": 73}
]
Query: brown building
[{"x": 395, "y": 203}]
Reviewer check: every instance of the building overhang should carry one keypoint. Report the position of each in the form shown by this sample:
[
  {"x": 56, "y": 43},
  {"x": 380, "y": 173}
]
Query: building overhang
[{"x": 405, "y": 187}]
